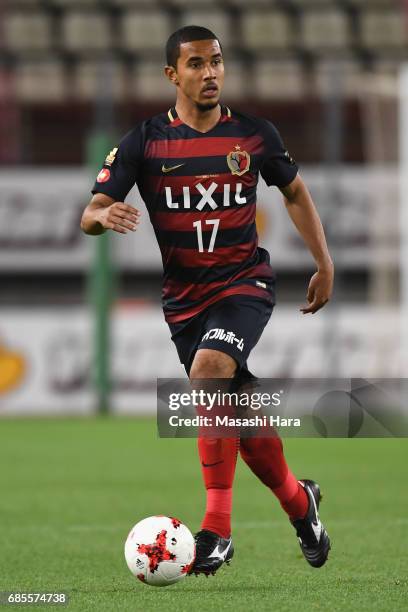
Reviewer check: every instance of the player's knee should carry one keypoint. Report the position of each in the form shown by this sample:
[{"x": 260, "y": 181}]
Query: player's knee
[{"x": 212, "y": 364}]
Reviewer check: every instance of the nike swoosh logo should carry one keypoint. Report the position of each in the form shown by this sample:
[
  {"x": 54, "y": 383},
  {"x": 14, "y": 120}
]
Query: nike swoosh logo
[
  {"x": 221, "y": 555},
  {"x": 317, "y": 527},
  {"x": 211, "y": 464},
  {"x": 170, "y": 168}
]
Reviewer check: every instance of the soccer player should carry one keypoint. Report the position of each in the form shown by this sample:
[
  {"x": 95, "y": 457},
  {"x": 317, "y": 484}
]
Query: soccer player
[{"x": 197, "y": 166}]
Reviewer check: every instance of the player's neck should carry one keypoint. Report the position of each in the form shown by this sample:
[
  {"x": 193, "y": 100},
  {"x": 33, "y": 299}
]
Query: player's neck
[{"x": 202, "y": 121}]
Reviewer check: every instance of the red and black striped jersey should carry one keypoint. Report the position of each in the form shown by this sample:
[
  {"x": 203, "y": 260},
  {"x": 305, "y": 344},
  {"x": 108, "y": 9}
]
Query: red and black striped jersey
[{"x": 200, "y": 193}]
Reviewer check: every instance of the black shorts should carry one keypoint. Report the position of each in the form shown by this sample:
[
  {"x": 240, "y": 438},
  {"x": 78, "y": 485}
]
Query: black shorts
[{"x": 232, "y": 325}]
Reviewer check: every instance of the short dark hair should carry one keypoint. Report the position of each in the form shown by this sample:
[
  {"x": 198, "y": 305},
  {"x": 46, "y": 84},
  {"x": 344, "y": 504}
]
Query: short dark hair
[{"x": 183, "y": 35}]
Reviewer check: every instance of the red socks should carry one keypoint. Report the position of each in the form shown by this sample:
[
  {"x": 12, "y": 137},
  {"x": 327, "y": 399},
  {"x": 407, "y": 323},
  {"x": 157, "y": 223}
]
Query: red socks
[
  {"x": 266, "y": 459},
  {"x": 218, "y": 460}
]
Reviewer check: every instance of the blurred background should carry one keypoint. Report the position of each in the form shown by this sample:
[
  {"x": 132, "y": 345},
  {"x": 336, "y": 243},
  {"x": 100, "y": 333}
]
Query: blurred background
[{"x": 81, "y": 327}]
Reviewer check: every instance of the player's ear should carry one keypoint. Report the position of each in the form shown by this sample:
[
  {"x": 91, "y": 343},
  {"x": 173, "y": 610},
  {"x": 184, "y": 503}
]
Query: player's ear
[{"x": 171, "y": 74}]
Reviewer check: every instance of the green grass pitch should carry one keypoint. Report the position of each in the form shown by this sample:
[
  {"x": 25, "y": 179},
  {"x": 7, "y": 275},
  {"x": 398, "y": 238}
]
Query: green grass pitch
[{"x": 71, "y": 490}]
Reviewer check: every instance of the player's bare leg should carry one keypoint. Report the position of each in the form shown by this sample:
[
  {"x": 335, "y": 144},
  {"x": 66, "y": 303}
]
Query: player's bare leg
[{"x": 218, "y": 458}]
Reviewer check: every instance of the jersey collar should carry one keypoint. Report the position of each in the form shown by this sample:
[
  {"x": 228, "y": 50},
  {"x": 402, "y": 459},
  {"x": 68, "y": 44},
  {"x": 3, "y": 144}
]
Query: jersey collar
[{"x": 174, "y": 119}]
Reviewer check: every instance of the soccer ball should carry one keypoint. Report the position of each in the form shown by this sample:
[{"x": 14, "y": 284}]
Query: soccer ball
[{"x": 160, "y": 550}]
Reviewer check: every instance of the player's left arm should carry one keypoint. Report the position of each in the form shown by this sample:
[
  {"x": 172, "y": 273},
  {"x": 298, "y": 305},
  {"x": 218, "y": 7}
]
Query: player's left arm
[{"x": 305, "y": 217}]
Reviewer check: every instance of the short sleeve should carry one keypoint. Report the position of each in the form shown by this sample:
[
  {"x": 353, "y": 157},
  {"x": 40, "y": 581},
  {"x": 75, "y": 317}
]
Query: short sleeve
[
  {"x": 278, "y": 168},
  {"x": 121, "y": 167}
]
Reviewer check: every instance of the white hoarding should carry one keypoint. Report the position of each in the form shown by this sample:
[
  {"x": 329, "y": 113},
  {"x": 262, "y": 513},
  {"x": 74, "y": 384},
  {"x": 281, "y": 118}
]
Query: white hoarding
[
  {"x": 40, "y": 212},
  {"x": 46, "y": 354}
]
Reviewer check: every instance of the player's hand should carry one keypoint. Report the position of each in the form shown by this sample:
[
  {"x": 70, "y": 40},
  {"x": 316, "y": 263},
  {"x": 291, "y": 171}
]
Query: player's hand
[
  {"x": 119, "y": 217},
  {"x": 319, "y": 291}
]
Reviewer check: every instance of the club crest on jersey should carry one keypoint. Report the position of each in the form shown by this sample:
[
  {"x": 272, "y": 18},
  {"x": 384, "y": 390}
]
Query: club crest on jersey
[{"x": 238, "y": 161}]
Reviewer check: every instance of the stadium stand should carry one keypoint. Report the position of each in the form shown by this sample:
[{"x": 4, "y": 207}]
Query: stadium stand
[
  {"x": 285, "y": 74},
  {"x": 214, "y": 20},
  {"x": 325, "y": 30},
  {"x": 40, "y": 81},
  {"x": 87, "y": 76},
  {"x": 275, "y": 50},
  {"x": 267, "y": 30},
  {"x": 144, "y": 31},
  {"x": 383, "y": 30},
  {"x": 27, "y": 31}
]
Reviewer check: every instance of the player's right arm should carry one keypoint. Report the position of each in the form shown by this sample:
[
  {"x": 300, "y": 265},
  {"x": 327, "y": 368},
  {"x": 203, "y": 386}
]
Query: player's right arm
[
  {"x": 119, "y": 173},
  {"x": 104, "y": 213}
]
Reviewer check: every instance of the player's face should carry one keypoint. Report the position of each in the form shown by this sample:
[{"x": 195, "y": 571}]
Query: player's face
[{"x": 200, "y": 72}]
